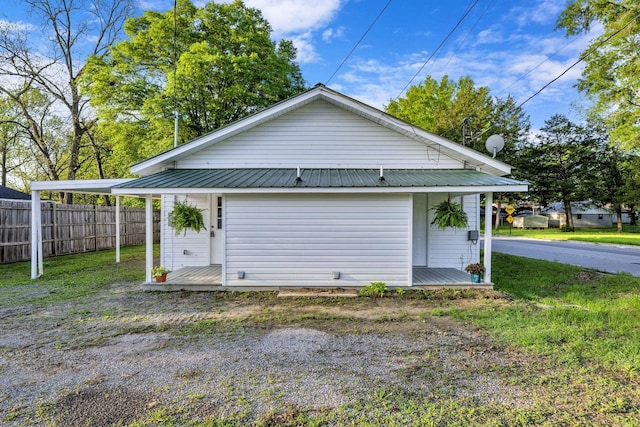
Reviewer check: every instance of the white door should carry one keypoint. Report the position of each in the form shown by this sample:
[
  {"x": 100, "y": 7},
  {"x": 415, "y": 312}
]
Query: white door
[{"x": 216, "y": 228}]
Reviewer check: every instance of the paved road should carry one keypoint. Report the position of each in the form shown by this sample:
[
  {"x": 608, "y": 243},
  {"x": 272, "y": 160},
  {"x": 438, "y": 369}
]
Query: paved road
[{"x": 602, "y": 257}]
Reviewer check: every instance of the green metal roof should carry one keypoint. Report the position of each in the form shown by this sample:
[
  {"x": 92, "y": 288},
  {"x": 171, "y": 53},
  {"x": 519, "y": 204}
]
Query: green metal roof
[{"x": 316, "y": 178}]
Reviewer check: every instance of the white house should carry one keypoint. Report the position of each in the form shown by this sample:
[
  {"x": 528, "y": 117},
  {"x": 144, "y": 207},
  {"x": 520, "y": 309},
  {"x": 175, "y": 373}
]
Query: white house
[
  {"x": 585, "y": 215},
  {"x": 319, "y": 190}
]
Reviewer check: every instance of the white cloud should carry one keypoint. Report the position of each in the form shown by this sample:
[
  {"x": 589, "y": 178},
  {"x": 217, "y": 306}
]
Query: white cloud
[
  {"x": 293, "y": 16},
  {"x": 16, "y": 26},
  {"x": 306, "y": 51},
  {"x": 331, "y": 34},
  {"x": 158, "y": 5},
  {"x": 297, "y": 20},
  {"x": 541, "y": 12},
  {"x": 488, "y": 36}
]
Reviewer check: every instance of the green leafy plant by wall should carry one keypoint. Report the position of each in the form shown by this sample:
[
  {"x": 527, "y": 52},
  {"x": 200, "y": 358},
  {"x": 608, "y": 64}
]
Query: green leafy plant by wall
[
  {"x": 449, "y": 214},
  {"x": 375, "y": 289},
  {"x": 185, "y": 216}
]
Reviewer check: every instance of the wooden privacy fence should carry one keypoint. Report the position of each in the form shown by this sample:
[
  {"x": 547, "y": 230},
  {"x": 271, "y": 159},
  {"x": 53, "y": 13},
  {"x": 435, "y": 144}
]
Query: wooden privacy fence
[{"x": 69, "y": 229}]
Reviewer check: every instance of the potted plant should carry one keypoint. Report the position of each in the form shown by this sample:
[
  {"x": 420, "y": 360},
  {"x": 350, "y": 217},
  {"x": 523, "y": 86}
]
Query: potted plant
[
  {"x": 184, "y": 216},
  {"x": 449, "y": 214},
  {"x": 476, "y": 270},
  {"x": 159, "y": 272}
]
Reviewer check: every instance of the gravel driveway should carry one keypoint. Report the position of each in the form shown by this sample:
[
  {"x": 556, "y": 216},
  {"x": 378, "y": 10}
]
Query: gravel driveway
[{"x": 124, "y": 355}]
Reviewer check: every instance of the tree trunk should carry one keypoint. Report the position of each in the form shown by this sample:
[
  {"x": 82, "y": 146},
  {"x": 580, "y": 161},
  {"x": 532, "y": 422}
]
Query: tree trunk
[
  {"x": 4, "y": 166},
  {"x": 78, "y": 130},
  {"x": 99, "y": 164},
  {"x": 619, "y": 215},
  {"x": 499, "y": 204},
  {"x": 568, "y": 214},
  {"x": 632, "y": 215}
]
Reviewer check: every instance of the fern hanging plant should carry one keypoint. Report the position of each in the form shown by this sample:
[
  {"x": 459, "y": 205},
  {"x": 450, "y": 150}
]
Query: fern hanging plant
[
  {"x": 185, "y": 216},
  {"x": 449, "y": 214}
]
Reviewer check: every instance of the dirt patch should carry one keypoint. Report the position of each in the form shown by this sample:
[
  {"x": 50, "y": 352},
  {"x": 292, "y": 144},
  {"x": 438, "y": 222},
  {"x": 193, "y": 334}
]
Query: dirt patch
[
  {"x": 588, "y": 276},
  {"x": 101, "y": 407}
]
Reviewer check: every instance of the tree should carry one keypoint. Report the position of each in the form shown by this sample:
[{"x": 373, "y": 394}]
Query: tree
[
  {"x": 75, "y": 28},
  {"x": 448, "y": 107},
  {"x": 10, "y": 134},
  {"x": 614, "y": 180},
  {"x": 612, "y": 73},
  {"x": 40, "y": 131},
  {"x": 456, "y": 109},
  {"x": 441, "y": 107},
  {"x": 222, "y": 67},
  {"x": 559, "y": 163}
]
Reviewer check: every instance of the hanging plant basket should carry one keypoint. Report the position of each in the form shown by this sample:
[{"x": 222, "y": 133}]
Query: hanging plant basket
[
  {"x": 449, "y": 214},
  {"x": 185, "y": 216}
]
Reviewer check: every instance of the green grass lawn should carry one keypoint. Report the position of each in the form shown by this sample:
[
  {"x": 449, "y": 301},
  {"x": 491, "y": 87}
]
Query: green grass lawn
[
  {"x": 73, "y": 276},
  {"x": 629, "y": 236},
  {"x": 574, "y": 315}
]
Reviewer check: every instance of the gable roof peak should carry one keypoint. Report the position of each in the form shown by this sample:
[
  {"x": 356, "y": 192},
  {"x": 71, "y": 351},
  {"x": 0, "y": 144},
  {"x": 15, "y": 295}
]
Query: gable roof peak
[{"x": 470, "y": 157}]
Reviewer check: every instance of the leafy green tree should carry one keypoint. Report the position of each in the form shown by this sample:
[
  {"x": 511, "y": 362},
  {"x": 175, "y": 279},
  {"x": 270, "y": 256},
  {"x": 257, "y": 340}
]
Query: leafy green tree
[
  {"x": 612, "y": 73},
  {"x": 559, "y": 163},
  {"x": 458, "y": 110},
  {"x": 441, "y": 107},
  {"x": 223, "y": 66},
  {"x": 631, "y": 171},
  {"x": 10, "y": 134},
  {"x": 72, "y": 29}
]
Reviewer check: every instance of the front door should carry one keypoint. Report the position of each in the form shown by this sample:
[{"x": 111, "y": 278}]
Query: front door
[{"x": 216, "y": 229}]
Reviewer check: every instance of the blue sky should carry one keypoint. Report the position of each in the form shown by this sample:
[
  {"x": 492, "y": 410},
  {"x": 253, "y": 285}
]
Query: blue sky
[{"x": 509, "y": 46}]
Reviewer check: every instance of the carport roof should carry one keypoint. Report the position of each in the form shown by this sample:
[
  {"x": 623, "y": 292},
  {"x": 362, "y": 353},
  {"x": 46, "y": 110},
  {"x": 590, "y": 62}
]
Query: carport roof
[{"x": 269, "y": 178}]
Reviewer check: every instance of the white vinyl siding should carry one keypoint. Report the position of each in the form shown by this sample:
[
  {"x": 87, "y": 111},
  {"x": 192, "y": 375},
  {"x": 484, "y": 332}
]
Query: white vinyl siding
[
  {"x": 196, "y": 244},
  {"x": 299, "y": 240},
  {"x": 320, "y": 135},
  {"x": 449, "y": 247}
]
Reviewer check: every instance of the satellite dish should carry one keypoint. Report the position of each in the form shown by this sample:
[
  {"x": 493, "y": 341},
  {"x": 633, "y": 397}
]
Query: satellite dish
[{"x": 494, "y": 144}]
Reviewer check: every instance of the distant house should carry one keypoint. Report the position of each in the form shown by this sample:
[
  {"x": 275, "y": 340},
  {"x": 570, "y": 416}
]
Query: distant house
[
  {"x": 585, "y": 215},
  {"x": 7, "y": 193},
  {"x": 626, "y": 217}
]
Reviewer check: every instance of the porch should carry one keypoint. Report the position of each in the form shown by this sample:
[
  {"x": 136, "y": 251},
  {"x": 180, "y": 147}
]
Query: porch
[{"x": 210, "y": 279}]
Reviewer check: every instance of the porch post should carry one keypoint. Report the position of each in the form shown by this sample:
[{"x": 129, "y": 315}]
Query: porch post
[
  {"x": 117, "y": 229},
  {"x": 36, "y": 236},
  {"x": 488, "y": 224},
  {"x": 148, "y": 236}
]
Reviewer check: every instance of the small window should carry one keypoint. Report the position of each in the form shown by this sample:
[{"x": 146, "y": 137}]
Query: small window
[
  {"x": 219, "y": 213},
  {"x": 600, "y": 216},
  {"x": 579, "y": 216}
]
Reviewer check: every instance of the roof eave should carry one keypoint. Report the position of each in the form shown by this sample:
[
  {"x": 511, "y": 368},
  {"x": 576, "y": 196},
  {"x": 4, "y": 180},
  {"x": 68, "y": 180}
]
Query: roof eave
[
  {"x": 90, "y": 186},
  {"x": 322, "y": 190}
]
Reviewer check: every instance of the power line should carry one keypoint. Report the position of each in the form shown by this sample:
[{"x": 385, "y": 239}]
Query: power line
[
  {"x": 359, "y": 41},
  {"x": 548, "y": 58},
  {"x": 466, "y": 36},
  {"x": 442, "y": 43},
  {"x": 580, "y": 59}
]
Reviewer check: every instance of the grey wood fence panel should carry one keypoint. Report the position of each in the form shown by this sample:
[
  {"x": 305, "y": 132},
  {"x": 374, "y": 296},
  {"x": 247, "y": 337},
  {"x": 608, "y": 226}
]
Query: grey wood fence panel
[{"x": 69, "y": 229}]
